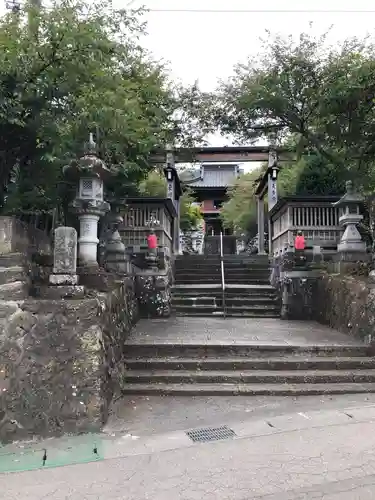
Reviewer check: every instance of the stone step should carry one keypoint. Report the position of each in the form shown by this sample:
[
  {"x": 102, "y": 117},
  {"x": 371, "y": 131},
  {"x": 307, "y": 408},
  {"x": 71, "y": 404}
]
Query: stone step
[
  {"x": 8, "y": 307},
  {"x": 232, "y": 301},
  {"x": 13, "y": 291},
  {"x": 248, "y": 259},
  {"x": 247, "y": 265},
  {"x": 199, "y": 313},
  {"x": 235, "y": 300},
  {"x": 217, "y": 279},
  {"x": 203, "y": 277},
  {"x": 197, "y": 258},
  {"x": 248, "y": 389},
  {"x": 252, "y": 314},
  {"x": 11, "y": 274},
  {"x": 251, "y": 296},
  {"x": 219, "y": 312},
  {"x": 249, "y": 377},
  {"x": 11, "y": 259},
  {"x": 254, "y": 309},
  {"x": 192, "y": 301},
  {"x": 197, "y": 280},
  {"x": 277, "y": 364},
  {"x": 238, "y": 350},
  {"x": 246, "y": 281}
]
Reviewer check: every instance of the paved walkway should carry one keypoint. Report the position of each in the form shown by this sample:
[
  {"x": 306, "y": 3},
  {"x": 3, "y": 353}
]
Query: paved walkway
[
  {"x": 302, "y": 456},
  {"x": 192, "y": 330}
]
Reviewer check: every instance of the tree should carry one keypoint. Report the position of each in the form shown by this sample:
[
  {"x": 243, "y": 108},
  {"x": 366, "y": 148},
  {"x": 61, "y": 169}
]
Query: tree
[
  {"x": 81, "y": 69},
  {"x": 240, "y": 211},
  {"x": 322, "y": 96},
  {"x": 317, "y": 177},
  {"x": 155, "y": 184}
]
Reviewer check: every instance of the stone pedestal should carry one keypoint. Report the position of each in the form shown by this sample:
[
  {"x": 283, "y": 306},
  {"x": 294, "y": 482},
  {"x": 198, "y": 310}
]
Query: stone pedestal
[
  {"x": 153, "y": 291},
  {"x": 89, "y": 214},
  {"x": 88, "y": 238}
]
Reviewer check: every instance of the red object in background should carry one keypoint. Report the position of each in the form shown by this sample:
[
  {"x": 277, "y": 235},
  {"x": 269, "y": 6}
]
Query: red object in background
[
  {"x": 152, "y": 241},
  {"x": 299, "y": 243}
]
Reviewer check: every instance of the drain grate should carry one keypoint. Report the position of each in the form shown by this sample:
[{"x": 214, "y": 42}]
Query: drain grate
[{"x": 210, "y": 434}]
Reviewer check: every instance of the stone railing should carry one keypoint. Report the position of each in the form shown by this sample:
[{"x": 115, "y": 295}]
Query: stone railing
[
  {"x": 314, "y": 216},
  {"x": 137, "y": 215}
]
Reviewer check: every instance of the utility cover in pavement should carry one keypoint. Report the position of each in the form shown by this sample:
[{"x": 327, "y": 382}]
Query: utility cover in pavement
[{"x": 210, "y": 434}]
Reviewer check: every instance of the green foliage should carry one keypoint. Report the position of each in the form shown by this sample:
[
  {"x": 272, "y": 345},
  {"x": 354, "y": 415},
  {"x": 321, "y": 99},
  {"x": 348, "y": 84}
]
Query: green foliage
[
  {"x": 78, "y": 67},
  {"x": 155, "y": 185},
  {"x": 321, "y": 96},
  {"x": 190, "y": 214},
  {"x": 318, "y": 177},
  {"x": 240, "y": 211}
]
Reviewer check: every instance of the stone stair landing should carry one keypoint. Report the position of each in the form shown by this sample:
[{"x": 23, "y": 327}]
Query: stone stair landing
[{"x": 206, "y": 356}]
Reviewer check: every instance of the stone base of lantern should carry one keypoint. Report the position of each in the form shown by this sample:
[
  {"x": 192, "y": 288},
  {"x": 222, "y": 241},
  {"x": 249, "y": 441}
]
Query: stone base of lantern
[
  {"x": 349, "y": 261},
  {"x": 60, "y": 292},
  {"x": 63, "y": 279},
  {"x": 352, "y": 247}
]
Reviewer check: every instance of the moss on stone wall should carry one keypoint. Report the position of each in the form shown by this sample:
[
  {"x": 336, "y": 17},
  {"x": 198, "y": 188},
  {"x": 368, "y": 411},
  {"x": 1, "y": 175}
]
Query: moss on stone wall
[
  {"x": 345, "y": 303},
  {"x": 59, "y": 362}
]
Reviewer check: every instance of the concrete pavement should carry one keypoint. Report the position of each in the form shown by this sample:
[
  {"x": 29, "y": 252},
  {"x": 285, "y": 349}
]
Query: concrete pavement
[{"x": 305, "y": 454}]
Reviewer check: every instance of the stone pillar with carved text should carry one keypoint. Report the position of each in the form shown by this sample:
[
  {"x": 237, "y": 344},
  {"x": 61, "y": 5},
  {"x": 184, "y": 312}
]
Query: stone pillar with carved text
[
  {"x": 260, "y": 221},
  {"x": 173, "y": 192}
]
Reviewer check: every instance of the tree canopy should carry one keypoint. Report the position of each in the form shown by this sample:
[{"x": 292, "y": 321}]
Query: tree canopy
[
  {"x": 72, "y": 68},
  {"x": 155, "y": 184},
  {"x": 324, "y": 96},
  {"x": 319, "y": 99}
]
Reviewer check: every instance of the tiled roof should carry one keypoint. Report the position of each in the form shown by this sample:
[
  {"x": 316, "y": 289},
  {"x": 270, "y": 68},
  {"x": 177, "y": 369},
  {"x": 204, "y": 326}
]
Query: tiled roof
[{"x": 215, "y": 176}]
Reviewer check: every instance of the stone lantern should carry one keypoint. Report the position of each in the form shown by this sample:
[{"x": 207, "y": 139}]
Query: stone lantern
[
  {"x": 89, "y": 172},
  {"x": 349, "y": 216}
]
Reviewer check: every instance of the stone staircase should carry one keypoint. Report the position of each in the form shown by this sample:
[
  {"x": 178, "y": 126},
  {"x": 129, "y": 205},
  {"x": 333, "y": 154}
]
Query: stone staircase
[
  {"x": 198, "y": 287},
  {"x": 13, "y": 284},
  {"x": 183, "y": 369}
]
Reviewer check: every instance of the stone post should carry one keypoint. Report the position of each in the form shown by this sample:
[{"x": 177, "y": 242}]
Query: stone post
[
  {"x": 89, "y": 204},
  {"x": 173, "y": 193},
  {"x": 272, "y": 178},
  {"x": 63, "y": 282},
  {"x": 260, "y": 209}
]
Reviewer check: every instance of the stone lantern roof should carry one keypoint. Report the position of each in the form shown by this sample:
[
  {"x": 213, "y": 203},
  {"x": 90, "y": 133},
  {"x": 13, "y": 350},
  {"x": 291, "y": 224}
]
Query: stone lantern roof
[
  {"x": 351, "y": 197},
  {"x": 89, "y": 165}
]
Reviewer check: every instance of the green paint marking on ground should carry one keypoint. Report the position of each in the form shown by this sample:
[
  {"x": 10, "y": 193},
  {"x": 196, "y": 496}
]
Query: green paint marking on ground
[{"x": 60, "y": 452}]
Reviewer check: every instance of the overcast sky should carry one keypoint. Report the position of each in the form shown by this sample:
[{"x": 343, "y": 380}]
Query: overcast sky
[{"x": 205, "y": 45}]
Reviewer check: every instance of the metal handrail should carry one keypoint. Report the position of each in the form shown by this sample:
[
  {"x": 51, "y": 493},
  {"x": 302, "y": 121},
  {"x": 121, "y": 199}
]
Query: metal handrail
[{"x": 222, "y": 272}]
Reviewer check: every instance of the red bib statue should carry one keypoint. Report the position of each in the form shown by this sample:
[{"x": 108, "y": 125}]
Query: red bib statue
[
  {"x": 299, "y": 242},
  {"x": 152, "y": 241}
]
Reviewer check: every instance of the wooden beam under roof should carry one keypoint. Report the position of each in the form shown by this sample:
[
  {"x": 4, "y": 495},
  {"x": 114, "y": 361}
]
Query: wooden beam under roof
[{"x": 236, "y": 154}]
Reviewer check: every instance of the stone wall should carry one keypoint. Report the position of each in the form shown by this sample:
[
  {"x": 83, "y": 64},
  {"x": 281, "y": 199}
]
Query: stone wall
[
  {"x": 345, "y": 303},
  {"x": 60, "y": 361},
  {"x": 17, "y": 236}
]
